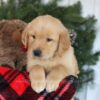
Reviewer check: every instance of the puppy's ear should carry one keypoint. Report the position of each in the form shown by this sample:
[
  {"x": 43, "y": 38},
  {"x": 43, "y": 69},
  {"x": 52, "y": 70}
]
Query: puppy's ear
[
  {"x": 25, "y": 38},
  {"x": 64, "y": 42},
  {"x": 16, "y": 36}
]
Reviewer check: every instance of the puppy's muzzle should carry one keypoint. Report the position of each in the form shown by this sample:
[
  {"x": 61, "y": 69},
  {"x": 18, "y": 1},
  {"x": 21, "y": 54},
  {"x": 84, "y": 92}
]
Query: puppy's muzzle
[{"x": 37, "y": 52}]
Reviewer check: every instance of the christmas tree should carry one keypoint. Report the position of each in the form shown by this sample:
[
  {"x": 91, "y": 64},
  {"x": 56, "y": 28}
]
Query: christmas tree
[{"x": 71, "y": 17}]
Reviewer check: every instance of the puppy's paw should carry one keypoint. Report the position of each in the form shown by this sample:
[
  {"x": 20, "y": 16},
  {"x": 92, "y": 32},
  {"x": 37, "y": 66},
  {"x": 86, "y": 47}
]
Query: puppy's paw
[
  {"x": 38, "y": 85},
  {"x": 38, "y": 82},
  {"x": 52, "y": 83}
]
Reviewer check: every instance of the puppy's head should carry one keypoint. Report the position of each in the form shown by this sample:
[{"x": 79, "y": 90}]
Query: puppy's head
[{"x": 46, "y": 37}]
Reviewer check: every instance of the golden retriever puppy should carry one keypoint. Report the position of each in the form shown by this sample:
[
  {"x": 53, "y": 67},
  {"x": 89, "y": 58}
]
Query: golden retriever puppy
[{"x": 50, "y": 56}]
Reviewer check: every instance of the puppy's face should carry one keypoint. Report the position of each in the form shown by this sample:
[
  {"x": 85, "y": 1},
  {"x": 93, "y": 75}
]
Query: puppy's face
[
  {"x": 43, "y": 43},
  {"x": 45, "y": 37}
]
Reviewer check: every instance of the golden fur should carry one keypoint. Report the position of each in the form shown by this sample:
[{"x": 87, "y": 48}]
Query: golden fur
[{"x": 57, "y": 60}]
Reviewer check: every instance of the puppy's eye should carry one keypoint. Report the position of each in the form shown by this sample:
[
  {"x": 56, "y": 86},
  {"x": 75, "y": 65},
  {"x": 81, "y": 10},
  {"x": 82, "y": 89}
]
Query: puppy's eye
[
  {"x": 33, "y": 36},
  {"x": 49, "y": 39}
]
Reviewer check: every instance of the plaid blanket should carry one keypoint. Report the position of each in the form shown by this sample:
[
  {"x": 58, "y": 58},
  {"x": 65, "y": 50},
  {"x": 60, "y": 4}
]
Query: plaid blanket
[{"x": 15, "y": 85}]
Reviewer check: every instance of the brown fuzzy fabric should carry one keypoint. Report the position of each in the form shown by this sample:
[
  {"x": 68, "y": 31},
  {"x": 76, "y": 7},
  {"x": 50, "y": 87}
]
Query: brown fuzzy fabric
[{"x": 10, "y": 43}]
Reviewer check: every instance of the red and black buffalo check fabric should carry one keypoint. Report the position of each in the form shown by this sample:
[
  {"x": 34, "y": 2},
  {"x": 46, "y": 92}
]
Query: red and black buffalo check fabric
[{"x": 15, "y": 85}]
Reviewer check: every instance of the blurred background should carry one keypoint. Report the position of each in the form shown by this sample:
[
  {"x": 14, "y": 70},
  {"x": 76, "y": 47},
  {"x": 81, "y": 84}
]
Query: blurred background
[{"x": 81, "y": 17}]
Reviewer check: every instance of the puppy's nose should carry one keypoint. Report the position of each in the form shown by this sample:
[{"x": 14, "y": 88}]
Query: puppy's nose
[{"x": 37, "y": 52}]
